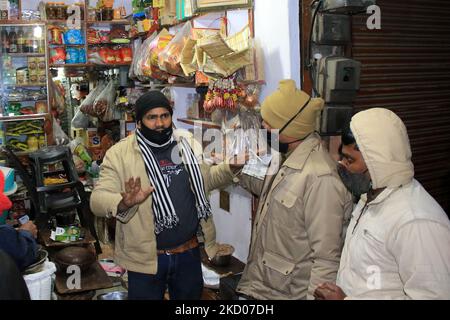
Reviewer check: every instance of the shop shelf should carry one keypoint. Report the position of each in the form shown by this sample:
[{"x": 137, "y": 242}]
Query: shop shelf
[
  {"x": 200, "y": 123},
  {"x": 87, "y": 65},
  {"x": 112, "y": 22},
  {"x": 25, "y": 85},
  {"x": 23, "y": 22},
  {"x": 39, "y": 116},
  {"x": 107, "y": 44},
  {"x": 28, "y": 100},
  {"x": 61, "y": 22},
  {"x": 66, "y": 45},
  {"x": 25, "y": 54}
]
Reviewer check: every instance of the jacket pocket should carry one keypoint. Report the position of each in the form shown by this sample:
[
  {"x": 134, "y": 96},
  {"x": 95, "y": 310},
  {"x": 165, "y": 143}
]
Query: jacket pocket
[
  {"x": 277, "y": 273},
  {"x": 286, "y": 198},
  {"x": 284, "y": 212}
]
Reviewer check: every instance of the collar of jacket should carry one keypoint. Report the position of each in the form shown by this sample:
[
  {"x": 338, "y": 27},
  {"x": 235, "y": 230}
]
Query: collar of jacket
[
  {"x": 177, "y": 135},
  {"x": 383, "y": 196},
  {"x": 296, "y": 159}
]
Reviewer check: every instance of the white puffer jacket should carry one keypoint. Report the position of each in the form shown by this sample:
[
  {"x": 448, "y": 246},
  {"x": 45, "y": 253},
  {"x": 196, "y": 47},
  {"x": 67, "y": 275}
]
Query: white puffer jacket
[{"x": 400, "y": 249}]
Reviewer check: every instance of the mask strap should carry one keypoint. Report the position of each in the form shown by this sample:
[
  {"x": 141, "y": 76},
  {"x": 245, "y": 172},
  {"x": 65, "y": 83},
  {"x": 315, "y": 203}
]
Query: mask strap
[{"x": 298, "y": 113}]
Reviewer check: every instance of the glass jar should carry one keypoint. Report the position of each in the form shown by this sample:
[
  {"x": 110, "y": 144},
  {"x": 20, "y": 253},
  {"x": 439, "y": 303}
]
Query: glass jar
[
  {"x": 99, "y": 14},
  {"x": 108, "y": 14},
  {"x": 50, "y": 10},
  {"x": 60, "y": 11},
  {"x": 92, "y": 15}
]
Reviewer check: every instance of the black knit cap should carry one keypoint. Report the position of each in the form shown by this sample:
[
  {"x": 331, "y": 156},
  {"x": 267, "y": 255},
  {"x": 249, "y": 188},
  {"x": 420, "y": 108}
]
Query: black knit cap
[{"x": 151, "y": 100}]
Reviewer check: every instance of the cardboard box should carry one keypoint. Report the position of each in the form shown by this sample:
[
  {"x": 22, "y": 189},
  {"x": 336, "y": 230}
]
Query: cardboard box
[{"x": 92, "y": 138}]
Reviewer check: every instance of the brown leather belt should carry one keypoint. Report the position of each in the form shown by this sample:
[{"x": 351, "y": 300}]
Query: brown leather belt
[{"x": 190, "y": 244}]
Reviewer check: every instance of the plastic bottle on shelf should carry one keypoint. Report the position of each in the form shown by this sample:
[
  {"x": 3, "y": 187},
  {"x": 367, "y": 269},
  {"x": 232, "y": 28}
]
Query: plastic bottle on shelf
[
  {"x": 5, "y": 41},
  {"x": 29, "y": 40},
  {"x": 21, "y": 46},
  {"x": 13, "y": 41},
  {"x": 2, "y": 134}
]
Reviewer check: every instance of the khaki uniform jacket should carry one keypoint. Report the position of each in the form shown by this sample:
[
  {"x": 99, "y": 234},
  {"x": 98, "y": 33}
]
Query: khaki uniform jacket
[
  {"x": 135, "y": 243},
  {"x": 299, "y": 227}
]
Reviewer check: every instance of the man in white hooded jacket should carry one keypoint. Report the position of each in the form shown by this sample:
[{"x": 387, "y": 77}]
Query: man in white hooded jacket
[{"x": 398, "y": 241}]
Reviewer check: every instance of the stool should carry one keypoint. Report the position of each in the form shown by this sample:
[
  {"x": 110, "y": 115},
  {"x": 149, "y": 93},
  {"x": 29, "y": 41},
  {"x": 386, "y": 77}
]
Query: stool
[{"x": 63, "y": 197}]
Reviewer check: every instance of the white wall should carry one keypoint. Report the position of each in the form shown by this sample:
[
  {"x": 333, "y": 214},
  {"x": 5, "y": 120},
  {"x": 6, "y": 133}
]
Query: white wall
[{"x": 277, "y": 30}]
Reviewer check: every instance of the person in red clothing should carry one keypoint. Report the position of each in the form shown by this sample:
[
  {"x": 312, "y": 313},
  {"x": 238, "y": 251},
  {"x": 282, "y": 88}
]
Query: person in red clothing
[{"x": 5, "y": 203}]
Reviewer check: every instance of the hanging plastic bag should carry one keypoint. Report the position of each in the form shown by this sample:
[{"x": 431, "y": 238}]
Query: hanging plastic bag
[
  {"x": 156, "y": 46},
  {"x": 142, "y": 67},
  {"x": 170, "y": 57},
  {"x": 59, "y": 135},
  {"x": 80, "y": 120},
  {"x": 137, "y": 51},
  {"x": 87, "y": 106},
  {"x": 104, "y": 103}
]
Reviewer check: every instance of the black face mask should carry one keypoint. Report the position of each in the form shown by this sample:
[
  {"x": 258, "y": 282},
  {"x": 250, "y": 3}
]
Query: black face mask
[
  {"x": 357, "y": 183},
  {"x": 157, "y": 137},
  {"x": 284, "y": 147}
]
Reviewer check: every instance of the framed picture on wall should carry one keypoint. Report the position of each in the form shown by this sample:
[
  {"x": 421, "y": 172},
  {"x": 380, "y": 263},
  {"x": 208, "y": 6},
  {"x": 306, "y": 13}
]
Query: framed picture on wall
[{"x": 215, "y": 5}]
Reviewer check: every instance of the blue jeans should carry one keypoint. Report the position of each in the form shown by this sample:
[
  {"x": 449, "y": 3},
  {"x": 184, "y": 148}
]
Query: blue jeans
[{"x": 180, "y": 273}]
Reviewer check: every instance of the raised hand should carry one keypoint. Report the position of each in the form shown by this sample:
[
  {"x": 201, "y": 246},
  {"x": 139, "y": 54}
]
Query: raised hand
[{"x": 134, "y": 194}]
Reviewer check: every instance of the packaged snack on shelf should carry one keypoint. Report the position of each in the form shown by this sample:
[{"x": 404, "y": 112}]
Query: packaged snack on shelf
[
  {"x": 57, "y": 55},
  {"x": 41, "y": 65},
  {"x": 170, "y": 57},
  {"x": 156, "y": 46},
  {"x": 93, "y": 36},
  {"x": 127, "y": 54},
  {"x": 87, "y": 106},
  {"x": 104, "y": 104},
  {"x": 73, "y": 37},
  {"x": 32, "y": 64},
  {"x": 72, "y": 55},
  {"x": 119, "y": 35}
]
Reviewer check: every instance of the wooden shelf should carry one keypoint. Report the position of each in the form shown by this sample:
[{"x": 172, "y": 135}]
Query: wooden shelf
[
  {"x": 200, "y": 123},
  {"x": 163, "y": 85},
  {"x": 66, "y": 45},
  {"x": 94, "y": 278},
  {"x": 86, "y": 65},
  {"x": 64, "y": 21},
  {"x": 24, "y": 54},
  {"x": 25, "y": 85},
  {"x": 24, "y": 117},
  {"x": 29, "y": 100},
  {"x": 22, "y": 22},
  {"x": 108, "y": 44},
  {"x": 44, "y": 237},
  {"x": 112, "y": 22}
]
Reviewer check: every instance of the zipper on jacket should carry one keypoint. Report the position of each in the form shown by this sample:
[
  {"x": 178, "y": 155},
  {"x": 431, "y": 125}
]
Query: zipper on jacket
[{"x": 360, "y": 215}]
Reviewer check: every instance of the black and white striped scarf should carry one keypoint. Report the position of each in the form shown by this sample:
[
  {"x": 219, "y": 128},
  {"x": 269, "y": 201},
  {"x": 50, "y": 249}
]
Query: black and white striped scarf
[{"x": 164, "y": 212}]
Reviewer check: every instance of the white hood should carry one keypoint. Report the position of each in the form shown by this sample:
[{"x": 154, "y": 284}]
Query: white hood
[{"x": 383, "y": 141}]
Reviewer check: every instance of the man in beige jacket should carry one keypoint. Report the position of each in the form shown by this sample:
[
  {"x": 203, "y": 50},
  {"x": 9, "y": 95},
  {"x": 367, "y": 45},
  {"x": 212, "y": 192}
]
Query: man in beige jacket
[
  {"x": 155, "y": 187},
  {"x": 303, "y": 208}
]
